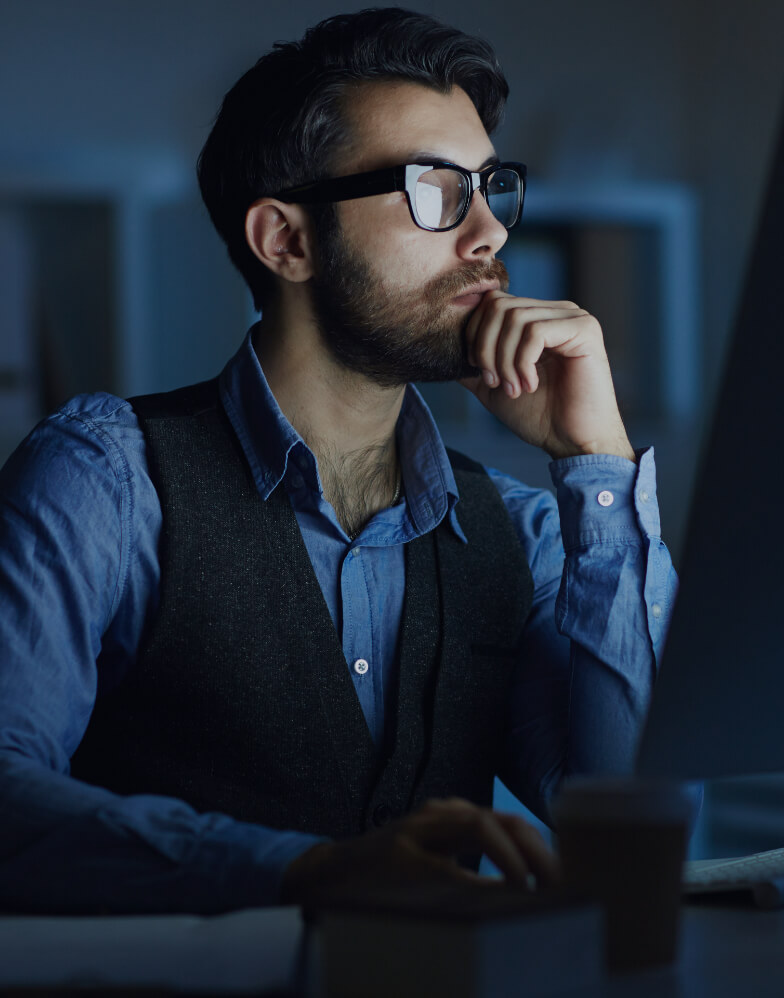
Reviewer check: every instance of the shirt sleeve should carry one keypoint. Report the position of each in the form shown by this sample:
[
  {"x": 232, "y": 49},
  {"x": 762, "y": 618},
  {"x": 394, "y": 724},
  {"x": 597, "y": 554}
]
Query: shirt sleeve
[
  {"x": 604, "y": 588},
  {"x": 79, "y": 524}
]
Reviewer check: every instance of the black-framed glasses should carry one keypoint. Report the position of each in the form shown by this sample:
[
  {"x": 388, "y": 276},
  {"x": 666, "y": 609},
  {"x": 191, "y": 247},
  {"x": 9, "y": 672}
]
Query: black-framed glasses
[{"x": 438, "y": 194}]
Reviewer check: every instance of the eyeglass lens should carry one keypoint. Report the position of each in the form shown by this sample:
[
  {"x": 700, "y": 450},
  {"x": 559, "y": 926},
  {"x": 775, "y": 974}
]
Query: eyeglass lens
[{"x": 441, "y": 194}]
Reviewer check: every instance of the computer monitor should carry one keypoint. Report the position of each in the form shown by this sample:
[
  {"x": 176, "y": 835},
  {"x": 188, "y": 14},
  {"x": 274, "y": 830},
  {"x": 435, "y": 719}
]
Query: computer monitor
[{"x": 718, "y": 704}]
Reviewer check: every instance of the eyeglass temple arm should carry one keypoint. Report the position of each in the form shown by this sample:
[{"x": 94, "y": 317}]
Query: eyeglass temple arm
[{"x": 358, "y": 185}]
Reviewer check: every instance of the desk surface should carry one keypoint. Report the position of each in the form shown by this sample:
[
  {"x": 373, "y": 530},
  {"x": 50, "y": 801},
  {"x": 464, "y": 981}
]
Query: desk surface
[
  {"x": 726, "y": 951},
  {"x": 242, "y": 952}
]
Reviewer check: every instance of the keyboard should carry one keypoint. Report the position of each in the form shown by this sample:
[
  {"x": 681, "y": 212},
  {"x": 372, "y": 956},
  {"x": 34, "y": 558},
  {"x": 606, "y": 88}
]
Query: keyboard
[{"x": 762, "y": 874}]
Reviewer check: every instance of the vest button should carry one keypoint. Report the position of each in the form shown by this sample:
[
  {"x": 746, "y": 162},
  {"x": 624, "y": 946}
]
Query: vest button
[{"x": 382, "y": 815}]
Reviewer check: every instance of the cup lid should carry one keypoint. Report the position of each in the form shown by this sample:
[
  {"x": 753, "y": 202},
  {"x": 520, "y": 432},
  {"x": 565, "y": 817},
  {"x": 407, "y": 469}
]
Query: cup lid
[{"x": 622, "y": 799}]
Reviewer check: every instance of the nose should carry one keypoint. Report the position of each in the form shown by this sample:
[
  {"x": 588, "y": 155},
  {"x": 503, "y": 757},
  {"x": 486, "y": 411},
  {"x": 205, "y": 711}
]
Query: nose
[{"x": 481, "y": 234}]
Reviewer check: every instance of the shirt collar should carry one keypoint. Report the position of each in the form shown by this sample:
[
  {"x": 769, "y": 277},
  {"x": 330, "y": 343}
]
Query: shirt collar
[
  {"x": 431, "y": 489},
  {"x": 270, "y": 443}
]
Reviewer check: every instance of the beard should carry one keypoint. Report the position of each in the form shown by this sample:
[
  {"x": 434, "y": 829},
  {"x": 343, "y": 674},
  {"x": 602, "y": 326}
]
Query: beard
[{"x": 391, "y": 335}]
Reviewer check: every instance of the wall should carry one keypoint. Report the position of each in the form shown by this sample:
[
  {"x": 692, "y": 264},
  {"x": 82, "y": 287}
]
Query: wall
[{"x": 610, "y": 89}]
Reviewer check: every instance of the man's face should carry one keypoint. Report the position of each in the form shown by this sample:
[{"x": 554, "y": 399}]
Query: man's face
[{"x": 390, "y": 297}]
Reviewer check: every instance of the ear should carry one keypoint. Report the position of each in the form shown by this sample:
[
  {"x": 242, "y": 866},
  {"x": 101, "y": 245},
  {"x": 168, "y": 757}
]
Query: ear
[{"x": 281, "y": 236}]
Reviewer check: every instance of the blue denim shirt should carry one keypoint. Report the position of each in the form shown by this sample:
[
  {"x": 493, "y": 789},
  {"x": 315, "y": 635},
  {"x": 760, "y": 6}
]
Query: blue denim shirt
[{"x": 79, "y": 578}]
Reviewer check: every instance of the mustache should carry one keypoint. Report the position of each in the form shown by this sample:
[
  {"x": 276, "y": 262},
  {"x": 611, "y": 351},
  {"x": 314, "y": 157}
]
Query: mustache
[{"x": 453, "y": 283}]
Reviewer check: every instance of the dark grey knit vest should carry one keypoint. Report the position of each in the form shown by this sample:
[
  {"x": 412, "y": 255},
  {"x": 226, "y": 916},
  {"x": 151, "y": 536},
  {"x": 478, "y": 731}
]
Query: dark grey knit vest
[{"x": 241, "y": 700}]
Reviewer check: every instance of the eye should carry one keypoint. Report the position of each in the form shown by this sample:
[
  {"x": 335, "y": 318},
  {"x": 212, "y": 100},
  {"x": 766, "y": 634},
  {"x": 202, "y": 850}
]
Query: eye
[{"x": 429, "y": 203}]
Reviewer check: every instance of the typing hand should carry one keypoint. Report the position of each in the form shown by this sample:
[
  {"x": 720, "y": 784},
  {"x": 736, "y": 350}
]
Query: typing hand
[
  {"x": 545, "y": 374},
  {"x": 421, "y": 848}
]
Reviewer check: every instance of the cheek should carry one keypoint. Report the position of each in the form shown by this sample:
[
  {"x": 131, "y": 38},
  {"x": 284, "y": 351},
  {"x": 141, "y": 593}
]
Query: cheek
[
  {"x": 415, "y": 261},
  {"x": 401, "y": 255}
]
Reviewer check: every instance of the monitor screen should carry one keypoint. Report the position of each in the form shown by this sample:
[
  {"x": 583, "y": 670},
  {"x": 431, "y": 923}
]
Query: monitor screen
[{"x": 718, "y": 705}]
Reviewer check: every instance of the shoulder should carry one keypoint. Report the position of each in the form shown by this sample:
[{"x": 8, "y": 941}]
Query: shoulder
[
  {"x": 104, "y": 420},
  {"x": 87, "y": 417},
  {"x": 77, "y": 502},
  {"x": 91, "y": 446}
]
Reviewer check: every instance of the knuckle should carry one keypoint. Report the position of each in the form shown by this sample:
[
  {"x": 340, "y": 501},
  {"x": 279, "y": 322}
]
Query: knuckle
[
  {"x": 507, "y": 339},
  {"x": 589, "y": 320},
  {"x": 494, "y": 305},
  {"x": 527, "y": 831},
  {"x": 460, "y": 804},
  {"x": 513, "y": 319}
]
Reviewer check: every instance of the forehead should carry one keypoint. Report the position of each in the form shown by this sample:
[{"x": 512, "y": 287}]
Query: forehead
[{"x": 390, "y": 122}]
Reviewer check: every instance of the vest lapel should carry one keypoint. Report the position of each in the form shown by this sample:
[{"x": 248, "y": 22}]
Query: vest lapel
[
  {"x": 408, "y": 718},
  {"x": 308, "y": 616}
]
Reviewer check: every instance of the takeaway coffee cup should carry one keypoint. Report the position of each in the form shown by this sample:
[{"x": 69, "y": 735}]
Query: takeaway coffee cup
[{"x": 623, "y": 842}]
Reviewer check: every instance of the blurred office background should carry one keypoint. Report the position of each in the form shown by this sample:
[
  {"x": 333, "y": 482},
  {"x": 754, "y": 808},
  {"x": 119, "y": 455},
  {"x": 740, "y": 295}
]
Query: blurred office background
[{"x": 647, "y": 129}]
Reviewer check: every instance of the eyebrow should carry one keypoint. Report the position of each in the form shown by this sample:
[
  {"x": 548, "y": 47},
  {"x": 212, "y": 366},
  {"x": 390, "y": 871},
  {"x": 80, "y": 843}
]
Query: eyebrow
[{"x": 426, "y": 158}]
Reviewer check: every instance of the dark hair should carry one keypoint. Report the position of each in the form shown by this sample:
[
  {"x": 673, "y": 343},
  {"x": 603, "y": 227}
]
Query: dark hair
[{"x": 281, "y": 123}]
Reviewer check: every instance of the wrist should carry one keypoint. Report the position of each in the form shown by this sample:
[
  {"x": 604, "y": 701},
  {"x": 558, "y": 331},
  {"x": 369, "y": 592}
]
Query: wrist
[
  {"x": 613, "y": 448},
  {"x": 618, "y": 449}
]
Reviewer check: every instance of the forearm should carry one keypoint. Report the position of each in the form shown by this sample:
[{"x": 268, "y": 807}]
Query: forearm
[
  {"x": 66, "y": 847},
  {"x": 596, "y": 630},
  {"x": 612, "y": 665}
]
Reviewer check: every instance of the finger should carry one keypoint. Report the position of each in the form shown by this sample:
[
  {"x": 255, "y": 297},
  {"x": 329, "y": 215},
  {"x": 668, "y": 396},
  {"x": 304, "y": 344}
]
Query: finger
[
  {"x": 481, "y": 314},
  {"x": 531, "y": 848},
  {"x": 544, "y": 302},
  {"x": 528, "y": 354},
  {"x": 490, "y": 342},
  {"x": 476, "y": 321},
  {"x": 520, "y": 344},
  {"x": 547, "y": 302},
  {"x": 483, "y": 333},
  {"x": 510, "y": 374},
  {"x": 541, "y": 859},
  {"x": 430, "y": 867},
  {"x": 458, "y": 826},
  {"x": 417, "y": 863},
  {"x": 568, "y": 336}
]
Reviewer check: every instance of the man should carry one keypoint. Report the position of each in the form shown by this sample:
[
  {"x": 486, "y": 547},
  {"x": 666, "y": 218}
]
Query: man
[{"x": 279, "y": 638}]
